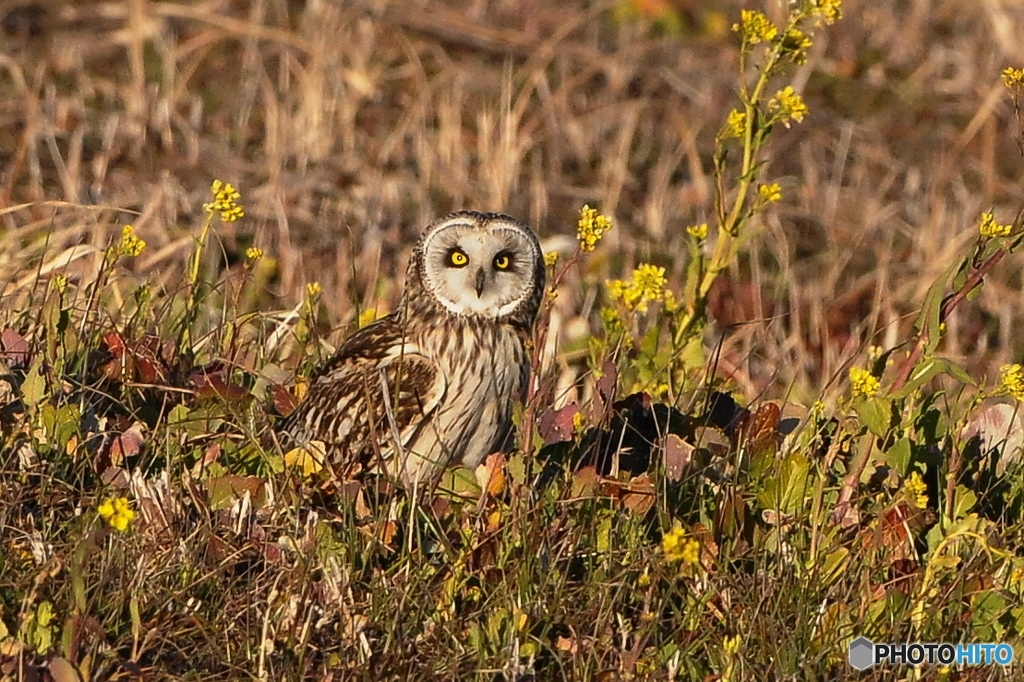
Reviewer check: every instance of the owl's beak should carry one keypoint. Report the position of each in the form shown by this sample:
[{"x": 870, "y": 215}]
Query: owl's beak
[{"x": 479, "y": 284}]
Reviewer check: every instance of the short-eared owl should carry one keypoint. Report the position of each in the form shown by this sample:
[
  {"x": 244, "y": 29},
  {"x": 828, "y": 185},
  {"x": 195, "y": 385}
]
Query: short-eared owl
[{"x": 434, "y": 382}]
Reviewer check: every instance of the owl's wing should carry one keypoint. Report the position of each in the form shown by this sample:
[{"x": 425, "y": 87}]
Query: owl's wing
[{"x": 370, "y": 399}]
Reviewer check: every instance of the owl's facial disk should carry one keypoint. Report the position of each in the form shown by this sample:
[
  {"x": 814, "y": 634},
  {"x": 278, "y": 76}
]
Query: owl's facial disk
[{"x": 480, "y": 272}]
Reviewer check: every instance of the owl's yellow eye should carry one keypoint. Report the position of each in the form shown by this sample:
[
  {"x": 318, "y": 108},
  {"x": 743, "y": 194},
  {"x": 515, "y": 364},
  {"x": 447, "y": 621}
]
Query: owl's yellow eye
[
  {"x": 501, "y": 262},
  {"x": 458, "y": 259}
]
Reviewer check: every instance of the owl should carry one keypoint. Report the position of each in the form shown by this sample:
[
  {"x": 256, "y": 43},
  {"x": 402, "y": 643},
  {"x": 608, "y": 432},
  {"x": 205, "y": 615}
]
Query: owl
[{"x": 434, "y": 383}]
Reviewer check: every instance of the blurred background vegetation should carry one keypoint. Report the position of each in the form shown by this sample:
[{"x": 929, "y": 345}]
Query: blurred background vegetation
[{"x": 348, "y": 126}]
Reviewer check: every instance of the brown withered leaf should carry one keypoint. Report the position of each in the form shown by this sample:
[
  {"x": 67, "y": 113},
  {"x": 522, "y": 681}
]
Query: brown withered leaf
[
  {"x": 639, "y": 496},
  {"x": 636, "y": 495},
  {"x": 604, "y": 394},
  {"x": 14, "y": 349},
  {"x": 128, "y": 443},
  {"x": 222, "y": 491},
  {"x": 556, "y": 426},
  {"x": 897, "y": 529},
  {"x": 284, "y": 401},
  {"x": 214, "y": 381},
  {"x": 759, "y": 432},
  {"x": 677, "y": 454},
  {"x": 142, "y": 360},
  {"x": 490, "y": 475},
  {"x": 585, "y": 482}
]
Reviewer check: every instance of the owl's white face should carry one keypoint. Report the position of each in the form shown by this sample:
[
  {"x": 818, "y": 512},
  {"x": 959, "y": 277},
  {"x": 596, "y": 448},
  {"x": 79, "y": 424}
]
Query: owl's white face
[{"x": 480, "y": 265}]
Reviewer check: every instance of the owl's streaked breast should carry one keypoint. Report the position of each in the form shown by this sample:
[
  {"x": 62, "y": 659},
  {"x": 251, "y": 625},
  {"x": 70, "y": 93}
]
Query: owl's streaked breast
[{"x": 488, "y": 367}]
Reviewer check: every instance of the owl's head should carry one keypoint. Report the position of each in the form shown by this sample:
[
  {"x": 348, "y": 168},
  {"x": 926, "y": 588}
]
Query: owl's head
[{"x": 480, "y": 264}]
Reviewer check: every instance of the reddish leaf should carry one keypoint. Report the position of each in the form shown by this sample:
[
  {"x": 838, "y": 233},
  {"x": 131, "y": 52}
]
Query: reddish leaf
[
  {"x": 604, "y": 394},
  {"x": 210, "y": 384},
  {"x": 284, "y": 401},
  {"x": 556, "y": 426},
  {"x": 115, "y": 344},
  {"x": 14, "y": 349},
  {"x": 639, "y": 496},
  {"x": 760, "y": 430},
  {"x": 126, "y": 444},
  {"x": 585, "y": 481}
]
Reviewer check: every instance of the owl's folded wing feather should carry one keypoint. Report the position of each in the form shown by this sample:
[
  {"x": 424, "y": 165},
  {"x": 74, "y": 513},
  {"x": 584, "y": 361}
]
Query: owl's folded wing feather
[{"x": 369, "y": 400}]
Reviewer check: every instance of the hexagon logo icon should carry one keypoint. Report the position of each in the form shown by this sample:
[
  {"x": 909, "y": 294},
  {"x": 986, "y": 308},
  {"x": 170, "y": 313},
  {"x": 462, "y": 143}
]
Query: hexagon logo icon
[{"x": 862, "y": 653}]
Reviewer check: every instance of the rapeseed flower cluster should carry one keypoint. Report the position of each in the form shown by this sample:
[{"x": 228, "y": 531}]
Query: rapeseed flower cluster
[
  {"x": 796, "y": 43},
  {"x": 677, "y": 547},
  {"x": 829, "y": 10},
  {"x": 769, "y": 193},
  {"x": 754, "y": 27},
  {"x": 990, "y": 228},
  {"x": 117, "y": 512},
  {"x": 646, "y": 286},
  {"x": 698, "y": 232},
  {"x": 592, "y": 226},
  {"x": 863, "y": 383},
  {"x": 1013, "y": 78},
  {"x": 735, "y": 125},
  {"x": 130, "y": 245},
  {"x": 225, "y": 202},
  {"x": 916, "y": 490},
  {"x": 1011, "y": 380},
  {"x": 788, "y": 106}
]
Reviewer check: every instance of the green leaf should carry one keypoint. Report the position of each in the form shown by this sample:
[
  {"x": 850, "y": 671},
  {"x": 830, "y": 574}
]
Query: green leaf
[
  {"x": 928, "y": 321},
  {"x": 989, "y": 607},
  {"x": 787, "y": 492},
  {"x": 33, "y": 389},
  {"x": 833, "y": 566},
  {"x": 898, "y": 455},
  {"x": 928, "y": 369},
  {"x": 874, "y": 414},
  {"x": 963, "y": 502}
]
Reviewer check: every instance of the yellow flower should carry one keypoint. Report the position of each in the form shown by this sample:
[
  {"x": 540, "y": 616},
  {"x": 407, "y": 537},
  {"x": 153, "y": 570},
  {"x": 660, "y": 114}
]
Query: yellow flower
[
  {"x": 829, "y": 10},
  {"x": 916, "y": 490},
  {"x": 646, "y": 286},
  {"x": 117, "y": 512},
  {"x": 610, "y": 320},
  {"x": 990, "y": 228},
  {"x": 796, "y": 43},
  {"x": 677, "y": 547},
  {"x": 698, "y": 232},
  {"x": 130, "y": 245},
  {"x": 60, "y": 283},
  {"x": 788, "y": 106},
  {"x": 551, "y": 258},
  {"x": 863, "y": 383},
  {"x": 735, "y": 125},
  {"x": 225, "y": 202},
  {"x": 1013, "y": 78},
  {"x": 254, "y": 253},
  {"x": 313, "y": 289},
  {"x": 1012, "y": 380},
  {"x": 592, "y": 226},
  {"x": 755, "y": 27},
  {"x": 770, "y": 193}
]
